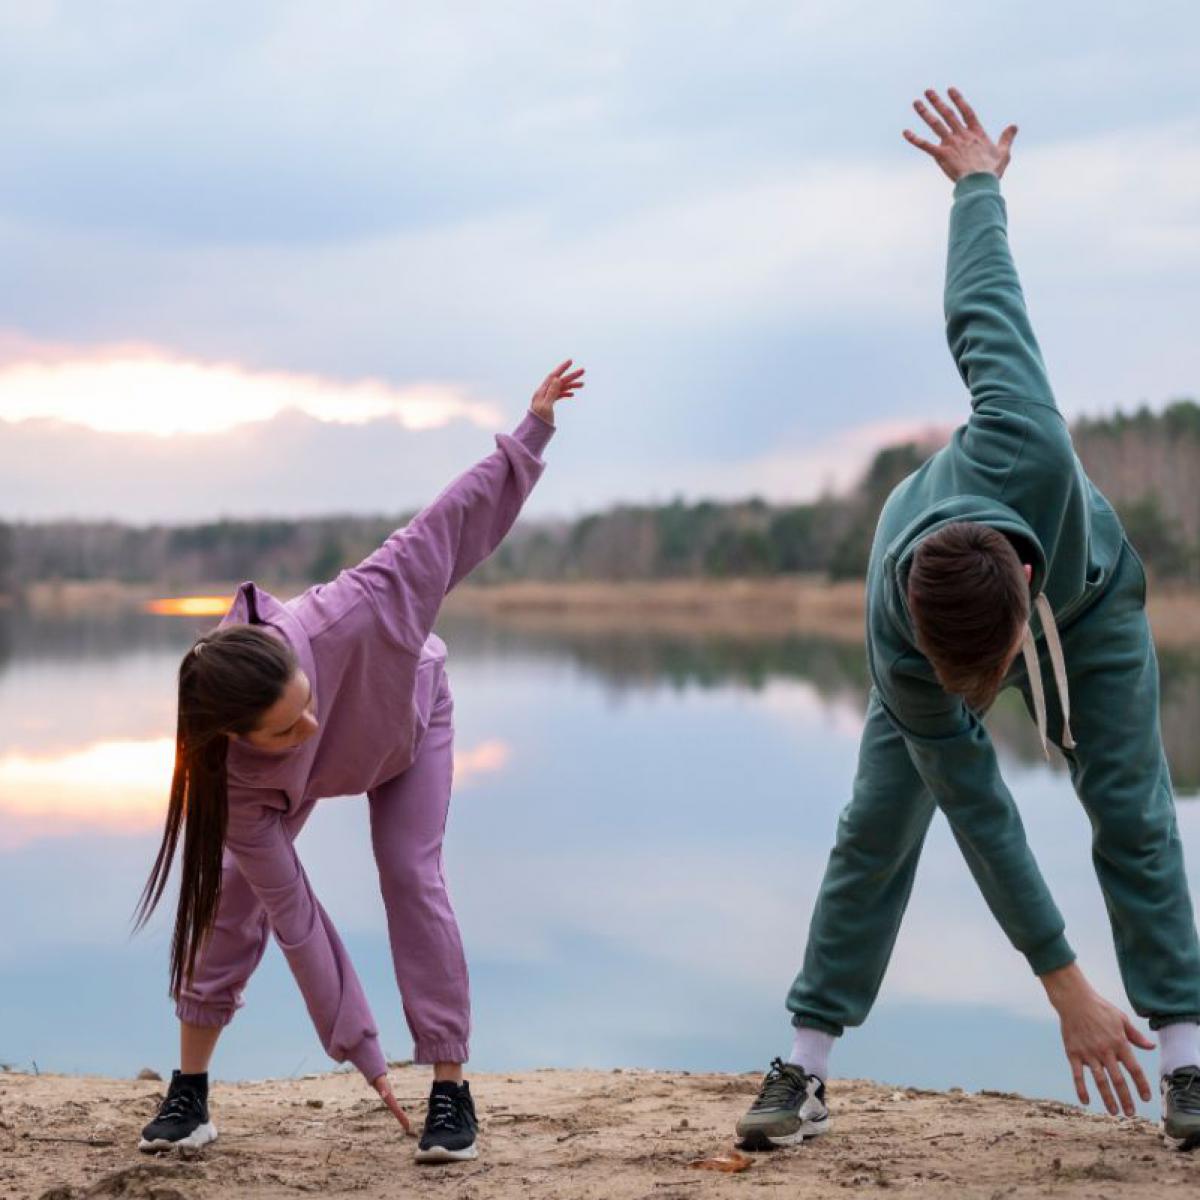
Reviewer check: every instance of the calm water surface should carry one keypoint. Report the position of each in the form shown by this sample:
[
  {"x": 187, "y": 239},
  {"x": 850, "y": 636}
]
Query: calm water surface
[{"x": 639, "y": 828}]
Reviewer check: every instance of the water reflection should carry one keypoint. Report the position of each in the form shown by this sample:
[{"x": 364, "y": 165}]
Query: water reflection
[
  {"x": 633, "y": 659},
  {"x": 624, "y": 800}
]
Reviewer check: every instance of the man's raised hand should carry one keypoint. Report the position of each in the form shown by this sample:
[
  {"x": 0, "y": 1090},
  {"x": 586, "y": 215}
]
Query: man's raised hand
[{"x": 963, "y": 147}]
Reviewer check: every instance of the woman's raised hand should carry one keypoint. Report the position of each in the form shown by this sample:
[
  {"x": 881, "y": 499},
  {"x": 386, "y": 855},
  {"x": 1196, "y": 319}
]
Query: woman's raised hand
[
  {"x": 561, "y": 384},
  {"x": 384, "y": 1088},
  {"x": 964, "y": 147}
]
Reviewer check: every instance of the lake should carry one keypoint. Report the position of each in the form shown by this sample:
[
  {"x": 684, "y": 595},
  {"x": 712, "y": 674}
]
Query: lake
[{"x": 639, "y": 829}]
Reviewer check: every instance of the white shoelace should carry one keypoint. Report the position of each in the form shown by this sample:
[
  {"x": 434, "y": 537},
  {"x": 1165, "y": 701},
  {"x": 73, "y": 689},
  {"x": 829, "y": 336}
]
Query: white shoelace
[{"x": 1059, "y": 666}]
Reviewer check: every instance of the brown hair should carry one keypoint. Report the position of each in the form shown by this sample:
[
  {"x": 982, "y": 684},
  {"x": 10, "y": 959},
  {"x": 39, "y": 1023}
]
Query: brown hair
[
  {"x": 969, "y": 601},
  {"x": 227, "y": 680}
]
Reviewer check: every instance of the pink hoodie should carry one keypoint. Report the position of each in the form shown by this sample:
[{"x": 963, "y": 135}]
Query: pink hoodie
[{"x": 365, "y": 643}]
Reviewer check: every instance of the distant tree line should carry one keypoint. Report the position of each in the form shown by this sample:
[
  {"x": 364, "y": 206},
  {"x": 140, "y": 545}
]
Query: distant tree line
[{"x": 1148, "y": 464}]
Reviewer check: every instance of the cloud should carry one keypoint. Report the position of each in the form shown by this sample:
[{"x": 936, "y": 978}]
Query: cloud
[
  {"x": 145, "y": 390},
  {"x": 736, "y": 242}
]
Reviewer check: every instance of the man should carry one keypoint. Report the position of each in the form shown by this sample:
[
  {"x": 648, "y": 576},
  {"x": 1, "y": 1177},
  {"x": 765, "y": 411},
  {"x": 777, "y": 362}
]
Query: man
[{"x": 999, "y": 564}]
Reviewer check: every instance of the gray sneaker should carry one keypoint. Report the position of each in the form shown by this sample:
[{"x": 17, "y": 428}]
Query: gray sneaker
[
  {"x": 1181, "y": 1108},
  {"x": 789, "y": 1107}
]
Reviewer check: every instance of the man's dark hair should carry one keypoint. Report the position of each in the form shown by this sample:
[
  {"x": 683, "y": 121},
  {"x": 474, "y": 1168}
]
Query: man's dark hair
[{"x": 969, "y": 601}]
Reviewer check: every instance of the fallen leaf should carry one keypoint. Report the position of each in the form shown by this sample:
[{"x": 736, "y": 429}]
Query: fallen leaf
[{"x": 730, "y": 1162}]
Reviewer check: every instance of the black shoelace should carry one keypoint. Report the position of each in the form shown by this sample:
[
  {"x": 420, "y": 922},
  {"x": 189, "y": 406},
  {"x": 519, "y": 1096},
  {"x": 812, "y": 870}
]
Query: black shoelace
[
  {"x": 181, "y": 1106},
  {"x": 781, "y": 1085},
  {"x": 1185, "y": 1084},
  {"x": 443, "y": 1112}
]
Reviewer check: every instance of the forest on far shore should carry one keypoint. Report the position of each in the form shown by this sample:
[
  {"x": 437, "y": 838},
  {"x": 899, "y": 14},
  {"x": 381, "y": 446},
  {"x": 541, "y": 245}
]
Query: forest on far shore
[{"x": 1147, "y": 463}]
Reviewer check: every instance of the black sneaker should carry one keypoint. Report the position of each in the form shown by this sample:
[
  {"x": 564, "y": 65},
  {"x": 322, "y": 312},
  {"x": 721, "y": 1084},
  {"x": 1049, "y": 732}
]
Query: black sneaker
[
  {"x": 1181, "y": 1108},
  {"x": 450, "y": 1124},
  {"x": 182, "y": 1118},
  {"x": 789, "y": 1107}
]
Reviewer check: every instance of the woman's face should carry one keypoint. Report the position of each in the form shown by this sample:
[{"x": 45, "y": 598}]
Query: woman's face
[{"x": 289, "y": 721}]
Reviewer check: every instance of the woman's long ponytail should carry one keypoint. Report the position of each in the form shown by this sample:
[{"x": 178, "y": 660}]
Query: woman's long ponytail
[{"x": 227, "y": 680}]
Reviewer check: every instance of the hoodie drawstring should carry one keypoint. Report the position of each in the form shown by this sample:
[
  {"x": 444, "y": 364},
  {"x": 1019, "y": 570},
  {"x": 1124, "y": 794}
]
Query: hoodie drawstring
[{"x": 1059, "y": 666}]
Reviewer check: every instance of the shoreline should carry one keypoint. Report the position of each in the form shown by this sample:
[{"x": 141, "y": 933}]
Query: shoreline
[
  {"x": 750, "y": 608},
  {"x": 607, "y": 1135}
]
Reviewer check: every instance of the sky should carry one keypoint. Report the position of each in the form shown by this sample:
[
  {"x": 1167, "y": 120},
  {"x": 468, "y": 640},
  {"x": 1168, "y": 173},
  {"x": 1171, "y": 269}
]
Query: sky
[{"x": 291, "y": 258}]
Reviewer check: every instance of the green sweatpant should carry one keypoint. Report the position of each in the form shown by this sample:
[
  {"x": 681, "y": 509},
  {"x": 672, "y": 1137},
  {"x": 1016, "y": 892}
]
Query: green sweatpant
[{"x": 1120, "y": 774}]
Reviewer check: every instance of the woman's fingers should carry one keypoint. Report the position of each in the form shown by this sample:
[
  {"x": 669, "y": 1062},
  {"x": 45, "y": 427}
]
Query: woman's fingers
[
  {"x": 384, "y": 1089},
  {"x": 944, "y": 111},
  {"x": 932, "y": 121},
  {"x": 1006, "y": 138},
  {"x": 1102, "y": 1086},
  {"x": 920, "y": 143},
  {"x": 968, "y": 113}
]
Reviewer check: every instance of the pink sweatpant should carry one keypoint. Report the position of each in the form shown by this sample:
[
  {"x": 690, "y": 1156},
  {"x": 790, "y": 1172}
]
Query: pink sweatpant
[{"x": 408, "y": 822}]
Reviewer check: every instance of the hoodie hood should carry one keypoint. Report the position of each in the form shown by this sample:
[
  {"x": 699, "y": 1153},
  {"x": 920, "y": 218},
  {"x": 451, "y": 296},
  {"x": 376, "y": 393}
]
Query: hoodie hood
[{"x": 250, "y": 766}]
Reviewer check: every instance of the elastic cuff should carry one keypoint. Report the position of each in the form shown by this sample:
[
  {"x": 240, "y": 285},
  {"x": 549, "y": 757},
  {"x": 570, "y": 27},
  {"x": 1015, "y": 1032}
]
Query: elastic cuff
[
  {"x": 533, "y": 433},
  {"x": 212, "y": 1016},
  {"x": 979, "y": 181},
  {"x": 426, "y": 1053},
  {"x": 808, "y": 1021},
  {"x": 1160, "y": 1020},
  {"x": 368, "y": 1058},
  {"x": 1051, "y": 955}
]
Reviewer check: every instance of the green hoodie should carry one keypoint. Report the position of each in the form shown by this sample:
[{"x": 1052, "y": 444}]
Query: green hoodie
[{"x": 1011, "y": 467}]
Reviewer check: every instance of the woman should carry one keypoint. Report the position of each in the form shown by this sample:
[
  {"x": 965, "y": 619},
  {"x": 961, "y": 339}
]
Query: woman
[{"x": 340, "y": 691}]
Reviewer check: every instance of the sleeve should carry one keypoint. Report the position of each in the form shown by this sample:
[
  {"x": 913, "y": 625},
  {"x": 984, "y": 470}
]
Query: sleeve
[
  {"x": 332, "y": 993},
  {"x": 1013, "y": 411},
  {"x": 955, "y": 758},
  {"x": 229, "y": 956},
  {"x": 407, "y": 578}
]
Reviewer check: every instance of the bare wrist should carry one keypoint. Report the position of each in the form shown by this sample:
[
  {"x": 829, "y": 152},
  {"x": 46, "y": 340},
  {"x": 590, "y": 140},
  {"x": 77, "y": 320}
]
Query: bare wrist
[{"x": 1065, "y": 984}]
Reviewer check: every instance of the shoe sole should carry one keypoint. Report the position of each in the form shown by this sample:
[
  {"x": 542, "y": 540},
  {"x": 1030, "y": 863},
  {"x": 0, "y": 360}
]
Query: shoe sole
[
  {"x": 439, "y": 1154},
  {"x": 1190, "y": 1141},
  {"x": 202, "y": 1135},
  {"x": 756, "y": 1140}
]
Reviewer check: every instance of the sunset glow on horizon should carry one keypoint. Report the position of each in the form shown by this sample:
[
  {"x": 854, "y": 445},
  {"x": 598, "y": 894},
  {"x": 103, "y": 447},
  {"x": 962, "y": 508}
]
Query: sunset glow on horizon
[
  {"x": 189, "y": 606},
  {"x": 132, "y": 390}
]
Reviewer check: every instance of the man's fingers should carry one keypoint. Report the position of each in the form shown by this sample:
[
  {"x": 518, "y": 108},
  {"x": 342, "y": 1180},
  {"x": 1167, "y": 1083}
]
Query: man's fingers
[
  {"x": 944, "y": 111},
  {"x": 1136, "y": 1036},
  {"x": 967, "y": 111},
  {"x": 1136, "y": 1073},
  {"x": 1118, "y": 1078},
  {"x": 920, "y": 143},
  {"x": 1080, "y": 1082},
  {"x": 931, "y": 121},
  {"x": 1006, "y": 138},
  {"x": 1102, "y": 1086}
]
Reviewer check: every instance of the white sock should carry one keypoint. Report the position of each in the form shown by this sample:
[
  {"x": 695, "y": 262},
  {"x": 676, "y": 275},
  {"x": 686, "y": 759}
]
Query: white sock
[
  {"x": 1178, "y": 1046},
  {"x": 810, "y": 1050}
]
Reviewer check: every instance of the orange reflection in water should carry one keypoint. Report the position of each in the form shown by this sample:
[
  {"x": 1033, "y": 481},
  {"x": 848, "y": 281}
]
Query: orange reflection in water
[
  {"x": 121, "y": 785},
  {"x": 189, "y": 606}
]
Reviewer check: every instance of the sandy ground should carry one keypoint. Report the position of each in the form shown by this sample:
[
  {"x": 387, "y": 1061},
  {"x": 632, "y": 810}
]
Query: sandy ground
[{"x": 572, "y": 1134}]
